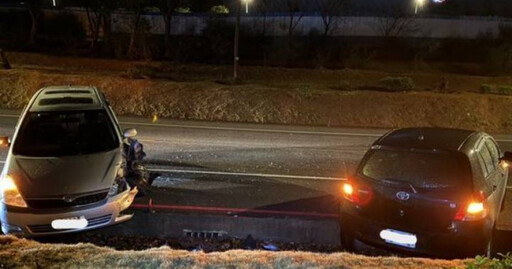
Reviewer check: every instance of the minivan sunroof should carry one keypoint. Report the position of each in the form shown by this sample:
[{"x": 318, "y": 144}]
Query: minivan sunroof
[
  {"x": 69, "y": 92},
  {"x": 65, "y": 100}
]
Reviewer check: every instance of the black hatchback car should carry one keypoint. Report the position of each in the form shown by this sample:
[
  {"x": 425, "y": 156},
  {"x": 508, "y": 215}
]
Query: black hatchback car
[{"x": 427, "y": 192}]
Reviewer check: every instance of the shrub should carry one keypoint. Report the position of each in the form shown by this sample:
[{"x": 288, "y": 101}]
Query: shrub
[
  {"x": 496, "y": 89},
  {"x": 342, "y": 85},
  {"x": 220, "y": 9},
  {"x": 398, "y": 84},
  {"x": 141, "y": 71},
  {"x": 505, "y": 89},
  {"x": 486, "y": 88},
  {"x": 182, "y": 10},
  {"x": 505, "y": 261}
]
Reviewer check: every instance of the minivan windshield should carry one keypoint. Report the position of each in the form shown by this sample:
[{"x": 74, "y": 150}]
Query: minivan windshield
[
  {"x": 419, "y": 169},
  {"x": 64, "y": 133}
]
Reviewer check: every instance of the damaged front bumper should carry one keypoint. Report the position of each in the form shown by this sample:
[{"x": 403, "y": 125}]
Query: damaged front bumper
[{"x": 32, "y": 222}]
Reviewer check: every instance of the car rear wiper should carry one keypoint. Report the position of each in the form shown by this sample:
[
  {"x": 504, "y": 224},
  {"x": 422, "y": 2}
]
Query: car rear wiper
[{"x": 402, "y": 182}]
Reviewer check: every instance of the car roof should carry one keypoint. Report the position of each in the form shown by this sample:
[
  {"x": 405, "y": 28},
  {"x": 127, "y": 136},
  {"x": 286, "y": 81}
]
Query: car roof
[
  {"x": 67, "y": 98},
  {"x": 426, "y": 138}
]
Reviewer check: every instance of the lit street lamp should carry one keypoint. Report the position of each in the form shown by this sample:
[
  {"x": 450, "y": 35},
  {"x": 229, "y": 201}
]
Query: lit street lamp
[
  {"x": 247, "y": 2},
  {"x": 418, "y": 4}
]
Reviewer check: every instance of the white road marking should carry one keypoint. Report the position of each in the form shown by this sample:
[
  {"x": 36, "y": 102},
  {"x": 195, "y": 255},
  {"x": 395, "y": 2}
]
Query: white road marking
[
  {"x": 243, "y": 174},
  {"x": 9, "y": 116},
  {"x": 249, "y": 129}
]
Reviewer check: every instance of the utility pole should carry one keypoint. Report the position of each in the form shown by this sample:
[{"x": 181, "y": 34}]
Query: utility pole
[{"x": 237, "y": 36}]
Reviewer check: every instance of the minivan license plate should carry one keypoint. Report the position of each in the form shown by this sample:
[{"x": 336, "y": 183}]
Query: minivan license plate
[
  {"x": 399, "y": 238},
  {"x": 70, "y": 223}
]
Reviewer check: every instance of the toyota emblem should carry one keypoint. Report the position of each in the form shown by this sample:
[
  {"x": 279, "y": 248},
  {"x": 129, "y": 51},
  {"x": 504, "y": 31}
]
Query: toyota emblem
[{"x": 402, "y": 195}]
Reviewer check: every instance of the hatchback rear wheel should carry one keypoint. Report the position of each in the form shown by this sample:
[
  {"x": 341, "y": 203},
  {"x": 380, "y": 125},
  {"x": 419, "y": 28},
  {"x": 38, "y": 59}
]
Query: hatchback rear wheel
[{"x": 347, "y": 241}]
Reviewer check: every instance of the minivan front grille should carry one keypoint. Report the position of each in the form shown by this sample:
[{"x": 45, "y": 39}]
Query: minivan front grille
[
  {"x": 61, "y": 203},
  {"x": 47, "y": 228}
]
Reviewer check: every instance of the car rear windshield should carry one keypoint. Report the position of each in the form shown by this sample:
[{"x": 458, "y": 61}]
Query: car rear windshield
[
  {"x": 419, "y": 169},
  {"x": 48, "y": 134}
]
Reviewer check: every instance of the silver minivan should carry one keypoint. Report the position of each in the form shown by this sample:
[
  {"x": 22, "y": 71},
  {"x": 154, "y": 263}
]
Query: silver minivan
[{"x": 64, "y": 168}]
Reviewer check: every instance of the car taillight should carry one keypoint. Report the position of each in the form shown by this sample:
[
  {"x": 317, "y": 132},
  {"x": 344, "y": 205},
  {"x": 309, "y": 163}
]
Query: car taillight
[
  {"x": 474, "y": 210},
  {"x": 358, "y": 194}
]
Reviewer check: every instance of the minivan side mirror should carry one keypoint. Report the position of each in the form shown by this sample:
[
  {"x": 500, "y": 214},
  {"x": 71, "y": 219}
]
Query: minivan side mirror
[
  {"x": 5, "y": 142},
  {"x": 130, "y": 133},
  {"x": 507, "y": 157}
]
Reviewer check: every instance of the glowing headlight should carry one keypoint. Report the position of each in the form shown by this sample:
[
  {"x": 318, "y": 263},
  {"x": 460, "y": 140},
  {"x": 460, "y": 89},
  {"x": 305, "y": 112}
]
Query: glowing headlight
[{"x": 10, "y": 194}]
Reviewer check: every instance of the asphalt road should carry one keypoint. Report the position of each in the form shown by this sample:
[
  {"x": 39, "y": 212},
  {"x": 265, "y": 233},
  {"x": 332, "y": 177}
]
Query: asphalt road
[{"x": 256, "y": 166}]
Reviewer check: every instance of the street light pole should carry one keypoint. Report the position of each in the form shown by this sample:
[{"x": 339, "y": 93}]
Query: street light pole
[{"x": 237, "y": 35}]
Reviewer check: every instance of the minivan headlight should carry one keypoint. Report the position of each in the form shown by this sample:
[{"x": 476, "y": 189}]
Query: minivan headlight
[
  {"x": 114, "y": 189},
  {"x": 10, "y": 194},
  {"x": 118, "y": 187}
]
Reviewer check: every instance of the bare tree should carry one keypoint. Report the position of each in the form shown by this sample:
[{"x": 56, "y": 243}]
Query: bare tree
[
  {"x": 331, "y": 12},
  {"x": 167, "y": 9},
  {"x": 295, "y": 12},
  {"x": 94, "y": 18},
  {"x": 395, "y": 22},
  {"x": 137, "y": 7},
  {"x": 34, "y": 9},
  {"x": 263, "y": 8},
  {"x": 99, "y": 17}
]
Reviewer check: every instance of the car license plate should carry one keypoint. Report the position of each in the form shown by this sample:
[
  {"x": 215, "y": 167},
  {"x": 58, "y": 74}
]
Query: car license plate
[
  {"x": 69, "y": 223},
  {"x": 399, "y": 238}
]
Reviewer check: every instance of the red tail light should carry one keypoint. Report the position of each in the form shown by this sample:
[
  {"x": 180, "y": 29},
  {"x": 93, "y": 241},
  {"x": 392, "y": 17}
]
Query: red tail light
[
  {"x": 475, "y": 209},
  {"x": 357, "y": 193}
]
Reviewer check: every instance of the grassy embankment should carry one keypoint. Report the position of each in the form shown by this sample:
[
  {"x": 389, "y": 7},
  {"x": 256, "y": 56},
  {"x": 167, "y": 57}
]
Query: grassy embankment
[{"x": 353, "y": 98}]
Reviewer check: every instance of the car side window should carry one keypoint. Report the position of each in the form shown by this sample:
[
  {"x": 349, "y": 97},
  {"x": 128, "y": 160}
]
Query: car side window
[
  {"x": 487, "y": 159},
  {"x": 494, "y": 151},
  {"x": 482, "y": 164}
]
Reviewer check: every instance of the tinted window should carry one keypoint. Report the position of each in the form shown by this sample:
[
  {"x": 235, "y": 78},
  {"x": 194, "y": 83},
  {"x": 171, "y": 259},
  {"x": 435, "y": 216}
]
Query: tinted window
[
  {"x": 65, "y": 133},
  {"x": 487, "y": 159},
  {"x": 422, "y": 170}
]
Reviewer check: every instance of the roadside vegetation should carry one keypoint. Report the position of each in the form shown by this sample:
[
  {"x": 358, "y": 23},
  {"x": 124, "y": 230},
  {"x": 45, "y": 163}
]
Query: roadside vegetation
[
  {"x": 380, "y": 98},
  {"x": 23, "y": 253}
]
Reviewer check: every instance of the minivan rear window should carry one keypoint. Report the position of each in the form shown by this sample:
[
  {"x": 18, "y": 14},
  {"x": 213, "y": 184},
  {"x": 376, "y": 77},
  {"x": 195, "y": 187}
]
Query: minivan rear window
[
  {"x": 58, "y": 133},
  {"x": 420, "y": 169}
]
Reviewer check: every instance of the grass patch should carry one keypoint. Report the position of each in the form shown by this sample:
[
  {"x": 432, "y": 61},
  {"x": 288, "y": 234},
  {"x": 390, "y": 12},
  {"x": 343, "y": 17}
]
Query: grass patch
[
  {"x": 22, "y": 253},
  {"x": 398, "y": 84}
]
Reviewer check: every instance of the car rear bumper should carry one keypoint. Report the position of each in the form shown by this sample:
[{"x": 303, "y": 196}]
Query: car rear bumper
[
  {"x": 34, "y": 224},
  {"x": 462, "y": 240}
]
